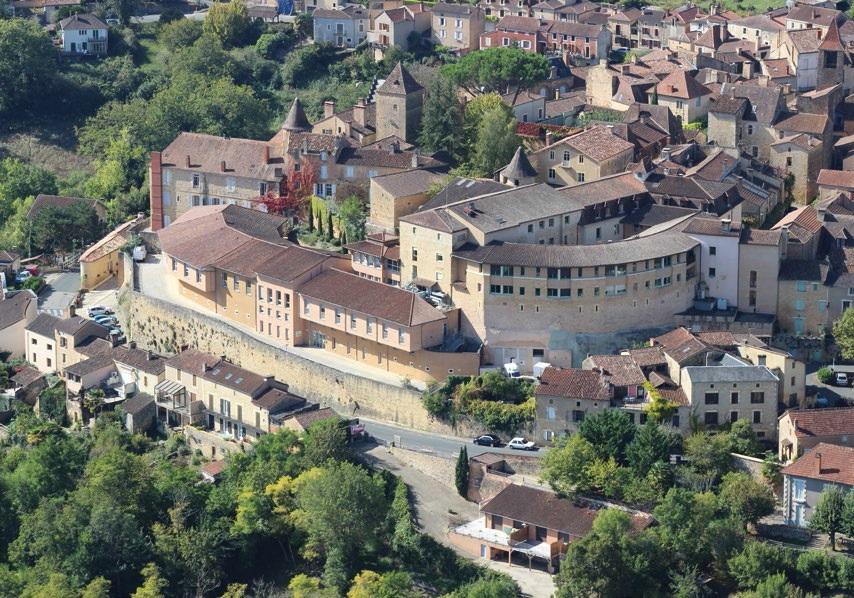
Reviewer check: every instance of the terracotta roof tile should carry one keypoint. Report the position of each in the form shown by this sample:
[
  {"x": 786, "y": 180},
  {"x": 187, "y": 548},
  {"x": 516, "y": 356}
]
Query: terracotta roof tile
[
  {"x": 598, "y": 143},
  {"x": 680, "y": 84},
  {"x": 822, "y": 422},
  {"x": 621, "y": 370},
  {"x": 825, "y": 462},
  {"x": 836, "y": 178},
  {"x": 14, "y": 307},
  {"x": 572, "y": 384},
  {"x": 371, "y": 298}
]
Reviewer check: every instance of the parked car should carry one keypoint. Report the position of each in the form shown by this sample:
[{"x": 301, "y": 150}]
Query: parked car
[
  {"x": 488, "y": 440},
  {"x": 521, "y": 444},
  {"x": 97, "y": 310},
  {"x": 109, "y": 321},
  {"x": 841, "y": 379},
  {"x": 33, "y": 270},
  {"x": 23, "y": 276}
]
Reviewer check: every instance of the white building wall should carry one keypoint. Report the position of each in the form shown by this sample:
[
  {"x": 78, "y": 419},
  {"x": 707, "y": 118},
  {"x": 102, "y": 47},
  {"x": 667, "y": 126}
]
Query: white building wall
[{"x": 724, "y": 282}]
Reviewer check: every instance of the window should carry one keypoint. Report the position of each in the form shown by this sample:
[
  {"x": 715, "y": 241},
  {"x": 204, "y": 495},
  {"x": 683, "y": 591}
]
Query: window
[
  {"x": 799, "y": 489},
  {"x": 756, "y": 397},
  {"x": 385, "y": 331},
  {"x": 401, "y": 337},
  {"x": 733, "y": 416},
  {"x": 713, "y": 250},
  {"x": 711, "y": 398},
  {"x": 711, "y": 418},
  {"x": 306, "y": 307},
  {"x": 225, "y": 407},
  {"x": 712, "y": 272},
  {"x": 762, "y": 359},
  {"x": 757, "y": 417},
  {"x": 802, "y": 286},
  {"x": 322, "y": 312},
  {"x": 799, "y": 304},
  {"x": 197, "y": 179},
  {"x": 552, "y": 174},
  {"x": 224, "y": 280},
  {"x": 734, "y": 398},
  {"x": 352, "y": 322},
  {"x": 337, "y": 316},
  {"x": 580, "y": 177}
]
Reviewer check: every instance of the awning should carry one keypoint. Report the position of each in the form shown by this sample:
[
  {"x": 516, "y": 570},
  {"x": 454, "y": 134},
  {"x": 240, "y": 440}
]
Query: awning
[{"x": 169, "y": 387}]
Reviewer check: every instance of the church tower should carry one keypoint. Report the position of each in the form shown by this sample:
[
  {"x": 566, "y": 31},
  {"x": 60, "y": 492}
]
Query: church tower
[
  {"x": 400, "y": 100},
  {"x": 831, "y": 57}
]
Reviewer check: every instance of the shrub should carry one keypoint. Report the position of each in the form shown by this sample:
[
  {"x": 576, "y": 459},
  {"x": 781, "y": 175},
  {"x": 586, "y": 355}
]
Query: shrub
[
  {"x": 824, "y": 374},
  {"x": 34, "y": 283}
]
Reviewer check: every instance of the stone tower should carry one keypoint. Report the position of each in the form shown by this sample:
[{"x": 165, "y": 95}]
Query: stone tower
[
  {"x": 831, "y": 57},
  {"x": 400, "y": 100}
]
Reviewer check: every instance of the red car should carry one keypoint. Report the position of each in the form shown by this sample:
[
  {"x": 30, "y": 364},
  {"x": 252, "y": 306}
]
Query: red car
[{"x": 33, "y": 269}]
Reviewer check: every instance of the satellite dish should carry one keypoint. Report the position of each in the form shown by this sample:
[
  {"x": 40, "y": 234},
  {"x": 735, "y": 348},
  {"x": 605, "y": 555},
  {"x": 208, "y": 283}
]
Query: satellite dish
[{"x": 286, "y": 7}]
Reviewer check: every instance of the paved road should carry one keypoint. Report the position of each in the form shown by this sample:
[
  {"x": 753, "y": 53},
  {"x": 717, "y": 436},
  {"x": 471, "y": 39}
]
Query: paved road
[
  {"x": 437, "y": 444},
  {"x": 59, "y": 293},
  {"x": 195, "y": 16}
]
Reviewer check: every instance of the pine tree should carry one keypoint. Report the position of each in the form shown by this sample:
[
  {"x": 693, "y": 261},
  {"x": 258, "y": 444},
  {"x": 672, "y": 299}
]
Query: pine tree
[
  {"x": 329, "y": 229},
  {"x": 319, "y": 223},
  {"x": 462, "y": 473},
  {"x": 310, "y": 217}
]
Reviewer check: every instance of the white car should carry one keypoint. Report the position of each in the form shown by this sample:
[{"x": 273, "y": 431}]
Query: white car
[
  {"x": 841, "y": 379},
  {"x": 521, "y": 444}
]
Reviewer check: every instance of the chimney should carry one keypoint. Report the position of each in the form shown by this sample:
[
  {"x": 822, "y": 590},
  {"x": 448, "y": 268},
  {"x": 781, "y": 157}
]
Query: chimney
[
  {"x": 328, "y": 108},
  {"x": 550, "y": 137},
  {"x": 132, "y": 345},
  {"x": 818, "y": 35},
  {"x": 394, "y": 147},
  {"x": 149, "y": 355},
  {"x": 359, "y": 112},
  {"x": 266, "y": 154},
  {"x": 222, "y": 166},
  {"x": 188, "y": 160},
  {"x": 726, "y": 224},
  {"x": 818, "y": 463}
]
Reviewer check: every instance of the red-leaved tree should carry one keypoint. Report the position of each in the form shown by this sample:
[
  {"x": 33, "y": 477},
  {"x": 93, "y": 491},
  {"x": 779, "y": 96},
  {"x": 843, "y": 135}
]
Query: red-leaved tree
[{"x": 294, "y": 191}]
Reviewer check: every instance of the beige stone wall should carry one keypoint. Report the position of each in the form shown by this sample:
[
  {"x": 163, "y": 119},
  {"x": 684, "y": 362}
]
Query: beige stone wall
[
  {"x": 386, "y": 209},
  {"x": 723, "y": 129},
  {"x": 161, "y": 326},
  {"x": 179, "y": 192},
  {"x": 761, "y": 288},
  {"x": 792, "y": 372},
  {"x": 426, "y": 254},
  {"x": 687, "y": 110},
  {"x": 95, "y": 272},
  {"x": 767, "y": 428},
  {"x": 41, "y": 351},
  {"x": 805, "y": 166},
  {"x": 808, "y": 306}
]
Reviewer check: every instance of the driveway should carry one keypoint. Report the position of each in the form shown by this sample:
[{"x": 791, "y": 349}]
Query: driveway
[
  {"x": 439, "y": 508},
  {"x": 60, "y": 291},
  {"x": 837, "y": 395}
]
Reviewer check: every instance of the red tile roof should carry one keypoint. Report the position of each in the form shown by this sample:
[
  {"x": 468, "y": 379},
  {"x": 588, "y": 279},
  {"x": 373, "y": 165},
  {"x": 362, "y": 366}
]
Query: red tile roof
[
  {"x": 680, "y": 84},
  {"x": 821, "y": 422},
  {"x": 836, "y": 178},
  {"x": 572, "y": 383},
  {"x": 825, "y": 462}
]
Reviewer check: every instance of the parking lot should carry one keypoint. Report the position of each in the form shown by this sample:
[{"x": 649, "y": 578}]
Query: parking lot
[
  {"x": 837, "y": 395},
  {"x": 59, "y": 292}
]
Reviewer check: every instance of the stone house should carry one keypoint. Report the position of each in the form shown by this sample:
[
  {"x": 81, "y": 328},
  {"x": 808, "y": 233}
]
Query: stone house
[
  {"x": 104, "y": 259},
  {"x": 393, "y": 26},
  {"x": 376, "y": 258},
  {"x": 800, "y": 430},
  {"x": 805, "y": 479},
  {"x": 18, "y": 309},
  {"x": 399, "y": 194},
  {"x": 345, "y": 27},
  {"x": 802, "y": 156},
  {"x": 457, "y": 26},
  {"x": 832, "y": 182},
  {"x": 54, "y": 343},
  {"x": 563, "y": 398},
  {"x": 358, "y": 123},
  {"x": 687, "y": 98},
  {"x": 503, "y": 8},
  {"x": 744, "y": 115},
  {"x": 583, "y": 157}
]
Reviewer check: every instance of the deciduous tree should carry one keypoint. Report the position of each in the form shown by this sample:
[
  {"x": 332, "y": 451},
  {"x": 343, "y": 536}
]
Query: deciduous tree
[
  {"x": 843, "y": 333},
  {"x": 566, "y": 466},
  {"x": 828, "y": 515},
  {"x": 442, "y": 119},
  {"x": 229, "y": 22},
  {"x": 27, "y": 65},
  {"x": 746, "y": 499}
]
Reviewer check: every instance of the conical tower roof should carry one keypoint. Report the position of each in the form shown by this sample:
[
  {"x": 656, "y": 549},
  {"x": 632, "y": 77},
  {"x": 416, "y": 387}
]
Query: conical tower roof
[
  {"x": 296, "y": 120},
  {"x": 832, "y": 41},
  {"x": 519, "y": 167},
  {"x": 399, "y": 82}
]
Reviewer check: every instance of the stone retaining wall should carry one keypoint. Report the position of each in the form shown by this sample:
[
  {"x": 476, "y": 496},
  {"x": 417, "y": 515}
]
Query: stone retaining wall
[{"x": 162, "y": 326}]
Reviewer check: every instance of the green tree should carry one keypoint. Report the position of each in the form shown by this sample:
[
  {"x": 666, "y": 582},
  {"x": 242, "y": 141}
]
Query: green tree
[
  {"x": 818, "y": 571},
  {"x": 228, "y": 22},
  {"x": 123, "y": 9},
  {"x": 709, "y": 456},
  {"x": 340, "y": 496},
  {"x": 27, "y": 65},
  {"x": 462, "y": 473},
  {"x": 686, "y": 584},
  {"x": 325, "y": 440},
  {"x": 496, "y": 142},
  {"x": 442, "y": 119},
  {"x": 746, "y": 499},
  {"x": 122, "y": 168},
  {"x": 650, "y": 445},
  {"x": 153, "y": 585},
  {"x": 776, "y": 586},
  {"x": 848, "y": 514},
  {"x": 843, "y": 328},
  {"x": 182, "y": 33},
  {"x": 97, "y": 588},
  {"x": 351, "y": 217},
  {"x": 610, "y": 432},
  {"x": 609, "y": 561},
  {"x": 491, "y": 585},
  {"x": 404, "y": 535},
  {"x": 828, "y": 515},
  {"x": 757, "y": 561},
  {"x": 743, "y": 439},
  {"x": 497, "y": 69},
  {"x": 658, "y": 409},
  {"x": 395, "y": 584},
  {"x": 565, "y": 467},
  {"x": 62, "y": 229},
  {"x": 683, "y": 520},
  {"x": 19, "y": 180}
]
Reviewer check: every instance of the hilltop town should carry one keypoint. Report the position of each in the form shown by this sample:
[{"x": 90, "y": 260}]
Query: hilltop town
[{"x": 396, "y": 298}]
